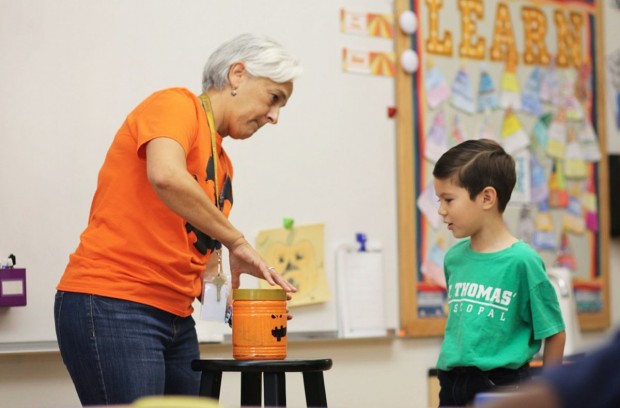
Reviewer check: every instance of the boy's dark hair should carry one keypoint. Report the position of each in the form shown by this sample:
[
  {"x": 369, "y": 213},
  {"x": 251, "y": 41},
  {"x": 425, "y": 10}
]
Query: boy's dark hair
[{"x": 476, "y": 164}]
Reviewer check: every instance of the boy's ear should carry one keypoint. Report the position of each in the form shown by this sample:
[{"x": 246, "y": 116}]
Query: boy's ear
[{"x": 489, "y": 197}]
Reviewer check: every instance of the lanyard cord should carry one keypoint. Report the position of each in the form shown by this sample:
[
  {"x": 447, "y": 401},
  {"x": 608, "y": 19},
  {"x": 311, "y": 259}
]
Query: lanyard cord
[{"x": 206, "y": 106}]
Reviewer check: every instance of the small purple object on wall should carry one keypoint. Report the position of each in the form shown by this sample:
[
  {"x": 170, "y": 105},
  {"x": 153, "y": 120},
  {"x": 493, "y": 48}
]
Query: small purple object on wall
[{"x": 13, "y": 287}]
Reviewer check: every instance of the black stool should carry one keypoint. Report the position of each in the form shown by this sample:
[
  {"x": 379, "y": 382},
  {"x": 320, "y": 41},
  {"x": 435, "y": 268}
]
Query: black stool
[{"x": 272, "y": 371}]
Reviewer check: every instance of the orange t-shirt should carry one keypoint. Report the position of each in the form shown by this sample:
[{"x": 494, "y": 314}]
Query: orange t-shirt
[{"x": 134, "y": 247}]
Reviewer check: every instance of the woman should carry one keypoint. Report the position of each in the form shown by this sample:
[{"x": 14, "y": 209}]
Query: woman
[{"x": 124, "y": 303}]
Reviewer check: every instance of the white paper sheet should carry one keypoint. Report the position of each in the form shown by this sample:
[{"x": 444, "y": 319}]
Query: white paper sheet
[{"x": 361, "y": 292}]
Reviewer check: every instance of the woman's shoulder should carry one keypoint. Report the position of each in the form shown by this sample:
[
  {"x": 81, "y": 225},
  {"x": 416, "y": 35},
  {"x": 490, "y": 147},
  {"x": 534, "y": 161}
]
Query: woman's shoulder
[
  {"x": 171, "y": 100},
  {"x": 178, "y": 92}
]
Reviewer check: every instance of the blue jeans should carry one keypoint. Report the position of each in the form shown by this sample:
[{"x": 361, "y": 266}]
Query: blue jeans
[{"x": 117, "y": 351}]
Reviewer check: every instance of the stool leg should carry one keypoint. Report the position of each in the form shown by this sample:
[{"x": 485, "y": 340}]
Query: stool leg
[
  {"x": 251, "y": 390},
  {"x": 210, "y": 383},
  {"x": 314, "y": 387},
  {"x": 275, "y": 389}
]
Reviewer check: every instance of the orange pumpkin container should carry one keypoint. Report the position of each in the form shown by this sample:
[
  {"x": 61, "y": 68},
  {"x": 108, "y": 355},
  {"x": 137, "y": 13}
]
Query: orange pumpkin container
[{"x": 259, "y": 324}]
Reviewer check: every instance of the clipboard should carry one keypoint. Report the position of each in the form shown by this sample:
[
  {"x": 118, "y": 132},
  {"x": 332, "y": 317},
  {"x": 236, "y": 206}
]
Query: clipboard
[{"x": 360, "y": 288}]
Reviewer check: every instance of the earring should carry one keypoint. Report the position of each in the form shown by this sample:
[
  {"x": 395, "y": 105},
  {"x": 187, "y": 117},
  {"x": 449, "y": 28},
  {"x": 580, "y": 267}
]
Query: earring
[{"x": 233, "y": 92}]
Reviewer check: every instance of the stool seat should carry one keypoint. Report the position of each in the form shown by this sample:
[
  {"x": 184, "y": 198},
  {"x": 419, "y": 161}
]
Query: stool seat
[{"x": 273, "y": 378}]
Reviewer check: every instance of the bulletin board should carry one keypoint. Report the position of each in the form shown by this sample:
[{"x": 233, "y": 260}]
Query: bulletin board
[{"x": 530, "y": 75}]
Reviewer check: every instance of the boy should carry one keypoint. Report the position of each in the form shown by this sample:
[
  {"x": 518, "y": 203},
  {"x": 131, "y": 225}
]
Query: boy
[{"x": 501, "y": 302}]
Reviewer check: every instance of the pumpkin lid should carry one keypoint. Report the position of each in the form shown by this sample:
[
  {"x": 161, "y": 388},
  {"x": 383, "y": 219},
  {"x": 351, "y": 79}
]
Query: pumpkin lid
[{"x": 259, "y": 294}]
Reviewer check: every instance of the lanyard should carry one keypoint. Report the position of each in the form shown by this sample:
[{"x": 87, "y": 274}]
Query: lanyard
[
  {"x": 219, "y": 280},
  {"x": 206, "y": 106}
]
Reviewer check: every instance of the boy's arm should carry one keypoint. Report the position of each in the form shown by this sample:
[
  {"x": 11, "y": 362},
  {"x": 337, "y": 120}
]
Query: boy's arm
[{"x": 554, "y": 349}]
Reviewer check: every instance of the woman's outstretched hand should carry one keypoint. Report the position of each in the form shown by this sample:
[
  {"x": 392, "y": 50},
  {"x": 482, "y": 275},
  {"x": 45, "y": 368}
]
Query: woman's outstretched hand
[{"x": 244, "y": 259}]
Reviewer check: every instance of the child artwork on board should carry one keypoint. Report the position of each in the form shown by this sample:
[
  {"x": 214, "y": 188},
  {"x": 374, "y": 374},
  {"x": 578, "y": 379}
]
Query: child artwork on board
[
  {"x": 437, "y": 88},
  {"x": 297, "y": 254},
  {"x": 538, "y": 100},
  {"x": 462, "y": 92},
  {"x": 522, "y": 191},
  {"x": 487, "y": 94}
]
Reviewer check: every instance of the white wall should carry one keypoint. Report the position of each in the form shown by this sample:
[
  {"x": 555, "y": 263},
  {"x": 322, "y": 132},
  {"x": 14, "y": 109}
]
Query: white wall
[
  {"x": 73, "y": 69},
  {"x": 390, "y": 373}
]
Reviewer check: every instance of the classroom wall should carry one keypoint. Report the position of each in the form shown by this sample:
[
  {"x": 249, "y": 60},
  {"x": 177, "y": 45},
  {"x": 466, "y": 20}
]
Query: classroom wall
[
  {"x": 71, "y": 72},
  {"x": 384, "y": 372}
]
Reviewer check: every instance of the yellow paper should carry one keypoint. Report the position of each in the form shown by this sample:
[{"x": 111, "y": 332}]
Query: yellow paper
[
  {"x": 573, "y": 223},
  {"x": 297, "y": 254},
  {"x": 574, "y": 165},
  {"x": 589, "y": 201},
  {"x": 543, "y": 222},
  {"x": 575, "y": 168},
  {"x": 510, "y": 82},
  {"x": 510, "y": 125},
  {"x": 557, "y": 135}
]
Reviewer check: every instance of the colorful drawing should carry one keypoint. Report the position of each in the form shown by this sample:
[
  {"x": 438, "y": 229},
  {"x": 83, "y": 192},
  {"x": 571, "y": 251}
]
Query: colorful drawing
[
  {"x": 539, "y": 188},
  {"x": 572, "y": 106},
  {"x": 565, "y": 256},
  {"x": 558, "y": 193},
  {"x": 541, "y": 131},
  {"x": 487, "y": 94},
  {"x": 432, "y": 267},
  {"x": 589, "y": 202},
  {"x": 514, "y": 137},
  {"x": 437, "y": 88},
  {"x": 583, "y": 86},
  {"x": 511, "y": 90},
  {"x": 486, "y": 130},
  {"x": 297, "y": 254},
  {"x": 462, "y": 92},
  {"x": 427, "y": 203},
  {"x": 574, "y": 164},
  {"x": 572, "y": 217},
  {"x": 530, "y": 98},
  {"x": 557, "y": 134},
  {"x": 522, "y": 191},
  {"x": 550, "y": 85},
  {"x": 589, "y": 142},
  {"x": 436, "y": 138},
  {"x": 526, "y": 226},
  {"x": 457, "y": 130},
  {"x": 544, "y": 231}
]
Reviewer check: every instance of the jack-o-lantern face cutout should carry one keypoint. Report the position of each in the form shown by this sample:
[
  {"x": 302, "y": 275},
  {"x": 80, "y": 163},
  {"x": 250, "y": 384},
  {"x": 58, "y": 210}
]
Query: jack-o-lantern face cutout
[
  {"x": 279, "y": 332},
  {"x": 296, "y": 263}
]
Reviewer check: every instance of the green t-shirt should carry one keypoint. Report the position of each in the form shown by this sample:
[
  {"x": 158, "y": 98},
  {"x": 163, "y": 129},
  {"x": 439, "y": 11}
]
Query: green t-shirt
[{"x": 501, "y": 306}]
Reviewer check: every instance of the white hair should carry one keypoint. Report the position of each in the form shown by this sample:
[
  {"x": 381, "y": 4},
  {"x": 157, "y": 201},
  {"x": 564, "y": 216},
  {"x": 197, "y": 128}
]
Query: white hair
[{"x": 261, "y": 56}]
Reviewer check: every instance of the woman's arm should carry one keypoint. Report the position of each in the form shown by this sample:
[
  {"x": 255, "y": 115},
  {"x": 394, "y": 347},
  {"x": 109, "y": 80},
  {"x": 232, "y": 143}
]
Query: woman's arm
[
  {"x": 167, "y": 172},
  {"x": 168, "y": 175}
]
